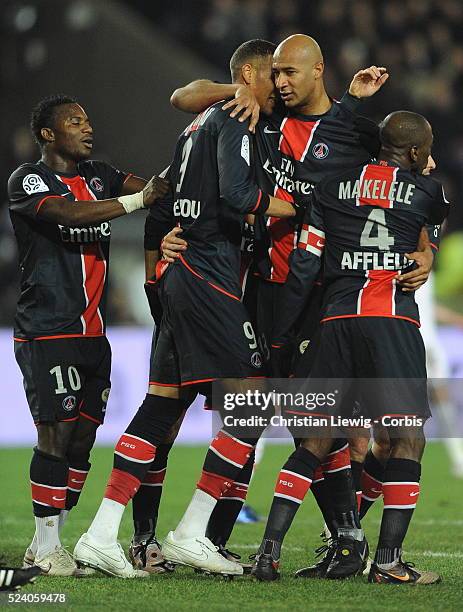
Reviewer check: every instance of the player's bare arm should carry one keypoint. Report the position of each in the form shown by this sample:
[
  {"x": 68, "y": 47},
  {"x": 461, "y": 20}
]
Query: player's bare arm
[
  {"x": 424, "y": 259},
  {"x": 365, "y": 83},
  {"x": 199, "y": 95},
  {"x": 57, "y": 209}
]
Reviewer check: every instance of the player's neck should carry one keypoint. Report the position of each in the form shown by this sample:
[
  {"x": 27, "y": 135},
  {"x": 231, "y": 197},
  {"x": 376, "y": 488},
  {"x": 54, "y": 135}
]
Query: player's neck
[
  {"x": 394, "y": 159},
  {"x": 319, "y": 105},
  {"x": 58, "y": 163}
]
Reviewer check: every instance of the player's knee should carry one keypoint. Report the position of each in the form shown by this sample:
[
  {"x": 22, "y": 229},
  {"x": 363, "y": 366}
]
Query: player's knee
[
  {"x": 358, "y": 448},
  {"x": 54, "y": 438},
  {"x": 320, "y": 447},
  {"x": 408, "y": 444}
]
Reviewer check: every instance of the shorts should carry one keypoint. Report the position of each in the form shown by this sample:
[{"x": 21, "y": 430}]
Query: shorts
[
  {"x": 204, "y": 335},
  {"x": 66, "y": 378},
  {"x": 380, "y": 362}
]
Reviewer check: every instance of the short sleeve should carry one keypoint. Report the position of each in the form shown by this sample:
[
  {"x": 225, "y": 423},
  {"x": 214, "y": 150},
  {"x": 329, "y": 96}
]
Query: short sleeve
[
  {"x": 28, "y": 188},
  {"x": 440, "y": 207},
  {"x": 116, "y": 179}
]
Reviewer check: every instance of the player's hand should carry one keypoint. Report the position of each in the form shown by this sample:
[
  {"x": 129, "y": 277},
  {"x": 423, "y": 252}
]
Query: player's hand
[
  {"x": 420, "y": 274},
  {"x": 154, "y": 189},
  {"x": 244, "y": 102},
  {"x": 367, "y": 82},
  {"x": 172, "y": 245}
]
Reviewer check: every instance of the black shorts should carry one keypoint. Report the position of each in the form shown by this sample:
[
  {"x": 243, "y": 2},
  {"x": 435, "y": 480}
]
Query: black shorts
[
  {"x": 65, "y": 378},
  {"x": 380, "y": 361},
  {"x": 204, "y": 334}
]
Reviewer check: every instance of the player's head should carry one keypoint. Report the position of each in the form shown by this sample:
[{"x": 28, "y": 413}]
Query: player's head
[
  {"x": 251, "y": 64},
  {"x": 60, "y": 124},
  {"x": 298, "y": 70},
  {"x": 408, "y": 137}
]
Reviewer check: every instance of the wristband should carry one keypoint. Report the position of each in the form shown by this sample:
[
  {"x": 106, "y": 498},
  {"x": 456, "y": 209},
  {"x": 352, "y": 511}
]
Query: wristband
[{"x": 131, "y": 202}]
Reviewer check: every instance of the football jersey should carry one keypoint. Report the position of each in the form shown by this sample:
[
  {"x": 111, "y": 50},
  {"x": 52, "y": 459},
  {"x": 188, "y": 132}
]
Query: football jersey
[
  {"x": 212, "y": 176},
  {"x": 364, "y": 221},
  {"x": 295, "y": 153},
  {"x": 64, "y": 269}
]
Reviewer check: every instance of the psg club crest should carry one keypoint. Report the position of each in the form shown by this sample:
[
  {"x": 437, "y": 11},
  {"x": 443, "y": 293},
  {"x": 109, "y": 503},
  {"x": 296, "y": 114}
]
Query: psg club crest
[
  {"x": 320, "y": 150},
  {"x": 256, "y": 360},
  {"x": 69, "y": 403},
  {"x": 96, "y": 184}
]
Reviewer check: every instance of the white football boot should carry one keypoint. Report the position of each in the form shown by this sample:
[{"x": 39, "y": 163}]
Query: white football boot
[
  {"x": 80, "y": 572},
  {"x": 199, "y": 553},
  {"x": 109, "y": 560},
  {"x": 58, "y": 563}
]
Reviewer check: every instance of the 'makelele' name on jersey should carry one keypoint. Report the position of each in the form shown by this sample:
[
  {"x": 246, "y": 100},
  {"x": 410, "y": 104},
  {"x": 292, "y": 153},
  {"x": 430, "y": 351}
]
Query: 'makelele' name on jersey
[
  {"x": 213, "y": 177},
  {"x": 63, "y": 269},
  {"x": 364, "y": 237}
]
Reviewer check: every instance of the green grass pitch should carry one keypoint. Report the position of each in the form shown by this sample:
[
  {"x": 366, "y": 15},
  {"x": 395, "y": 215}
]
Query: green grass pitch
[{"x": 435, "y": 541}]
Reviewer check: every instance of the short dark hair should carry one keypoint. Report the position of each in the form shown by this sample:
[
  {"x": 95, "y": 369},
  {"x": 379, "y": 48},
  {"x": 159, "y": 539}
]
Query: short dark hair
[
  {"x": 43, "y": 113},
  {"x": 248, "y": 51}
]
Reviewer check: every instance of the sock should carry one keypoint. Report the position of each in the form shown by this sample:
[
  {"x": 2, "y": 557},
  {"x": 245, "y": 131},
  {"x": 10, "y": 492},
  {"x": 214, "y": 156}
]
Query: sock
[
  {"x": 47, "y": 535},
  {"x": 105, "y": 525},
  {"x": 339, "y": 480},
  {"x": 228, "y": 507},
  {"x": 224, "y": 461},
  {"x": 292, "y": 484},
  {"x": 357, "y": 469},
  {"x": 372, "y": 482},
  {"x": 194, "y": 521},
  {"x": 78, "y": 472},
  {"x": 48, "y": 476},
  {"x": 401, "y": 490},
  {"x": 63, "y": 515},
  {"x": 145, "y": 503},
  {"x": 321, "y": 493}
]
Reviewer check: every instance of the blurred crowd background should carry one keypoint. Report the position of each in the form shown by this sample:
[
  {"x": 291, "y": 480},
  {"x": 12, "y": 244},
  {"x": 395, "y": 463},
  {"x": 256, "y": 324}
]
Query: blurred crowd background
[{"x": 125, "y": 58}]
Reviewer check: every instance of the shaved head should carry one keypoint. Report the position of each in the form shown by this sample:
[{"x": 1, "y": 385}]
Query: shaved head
[
  {"x": 407, "y": 138},
  {"x": 299, "y": 47},
  {"x": 404, "y": 129}
]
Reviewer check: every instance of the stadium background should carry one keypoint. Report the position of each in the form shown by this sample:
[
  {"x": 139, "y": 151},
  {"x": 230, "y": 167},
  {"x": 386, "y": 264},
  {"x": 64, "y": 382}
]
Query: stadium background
[{"x": 122, "y": 61}]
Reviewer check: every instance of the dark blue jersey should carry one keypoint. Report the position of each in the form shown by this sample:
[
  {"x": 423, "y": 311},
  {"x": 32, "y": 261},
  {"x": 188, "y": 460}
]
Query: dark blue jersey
[{"x": 364, "y": 221}]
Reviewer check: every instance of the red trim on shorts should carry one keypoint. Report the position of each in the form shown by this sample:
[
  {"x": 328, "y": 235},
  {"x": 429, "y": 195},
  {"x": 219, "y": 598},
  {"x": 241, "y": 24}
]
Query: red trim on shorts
[
  {"x": 216, "y": 287},
  {"x": 352, "y": 316},
  {"x": 37, "y": 207},
  {"x": 68, "y": 420},
  {"x": 59, "y": 337},
  {"x": 152, "y": 382},
  {"x": 90, "y": 418},
  {"x": 197, "y": 382}
]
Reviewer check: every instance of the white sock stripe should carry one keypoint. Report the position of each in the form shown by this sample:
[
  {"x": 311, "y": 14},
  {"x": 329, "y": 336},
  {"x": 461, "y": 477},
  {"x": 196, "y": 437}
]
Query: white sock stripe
[
  {"x": 385, "y": 484},
  {"x": 80, "y": 471},
  {"x": 339, "y": 450},
  {"x": 236, "y": 439},
  {"x": 37, "y": 484},
  {"x": 132, "y": 459},
  {"x": 345, "y": 467},
  {"x": 157, "y": 471},
  {"x": 75, "y": 490},
  {"x": 41, "y": 503},
  {"x": 294, "y": 499},
  {"x": 297, "y": 475},
  {"x": 225, "y": 458},
  {"x": 137, "y": 438},
  {"x": 151, "y": 484},
  {"x": 372, "y": 499},
  {"x": 241, "y": 484},
  {"x": 400, "y": 507},
  {"x": 319, "y": 480}
]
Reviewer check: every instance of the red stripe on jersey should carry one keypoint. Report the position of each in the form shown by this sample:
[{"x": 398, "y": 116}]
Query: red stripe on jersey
[
  {"x": 337, "y": 460},
  {"x": 283, "y": 236},
  {"x": 375, "y": 186},
  {"x": 154, "y": 477},
  {"x": 292, "y": 486},
  {"x": 76, "y": 479},
  {"x": 230, "y": 449},
  {"x": 377, "y": 297},
  {"x": 296, "y": 137},
  {"x": 401, "y": 494},
  {"x": 93, "y": 265},
  {"x": 47, "y": 495},
  {"x": 135, "y": 449},
  {"x": 372, "y": 489}
]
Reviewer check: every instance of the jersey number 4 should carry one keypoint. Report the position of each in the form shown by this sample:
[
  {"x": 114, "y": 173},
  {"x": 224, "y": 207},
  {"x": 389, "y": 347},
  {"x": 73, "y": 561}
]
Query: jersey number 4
[{"x": 375, "y": 232}]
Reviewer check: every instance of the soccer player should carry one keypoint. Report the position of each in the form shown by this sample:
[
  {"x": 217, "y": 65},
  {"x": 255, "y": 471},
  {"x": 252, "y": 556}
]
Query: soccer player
[
  {"x": 205, "y": 334},
  {"x": 369, "y": 327},
  {"x": 61, "y": 207}
]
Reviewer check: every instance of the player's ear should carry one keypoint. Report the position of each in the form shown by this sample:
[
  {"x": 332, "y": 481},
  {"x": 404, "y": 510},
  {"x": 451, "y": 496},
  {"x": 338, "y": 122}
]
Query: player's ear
[
  {"x": 413, "y": 153},
  {"x": 247, "y": 73},
  {"x": 318, "y": 70},
  {"x": 47, "y": 134}
]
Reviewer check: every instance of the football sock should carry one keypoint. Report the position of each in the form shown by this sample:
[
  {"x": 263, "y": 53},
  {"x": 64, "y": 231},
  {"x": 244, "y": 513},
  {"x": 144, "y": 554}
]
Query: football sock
[
  {"x": 293, "y": 482},
  {"x": 225, "y": 513},
  {"x": 322, "y": 496},
  {"x": 357, "y": 469},
  {"x": 224, "y": 461},
  {"x": 78, "y": 472},
  {"x": 145, "y": 504},
  {"x": 372, "y": 482},
  {"x": 339, "y": 480},
  {"x": 401, "y": 489},
  {"x": 105, "y": 525},
  {"x": 48, "y": 476}
]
